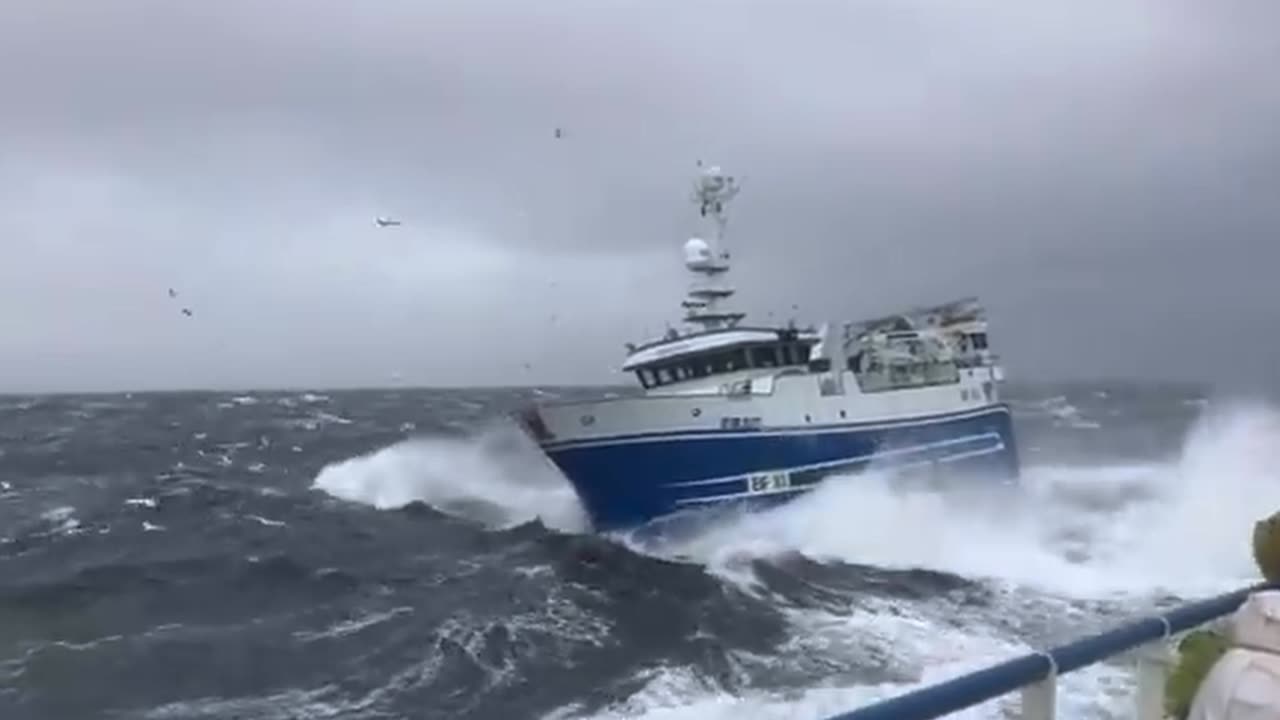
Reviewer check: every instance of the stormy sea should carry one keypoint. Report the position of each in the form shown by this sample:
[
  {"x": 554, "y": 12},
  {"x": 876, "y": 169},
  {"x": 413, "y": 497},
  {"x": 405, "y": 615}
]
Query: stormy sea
[{"x": 408, "y": 554}]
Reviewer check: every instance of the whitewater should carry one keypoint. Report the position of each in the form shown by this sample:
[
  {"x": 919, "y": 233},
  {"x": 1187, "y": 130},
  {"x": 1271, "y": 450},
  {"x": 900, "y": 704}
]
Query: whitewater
[
  {"x": 374, "y": 554},
  {"x": 1077, "y": 542}
]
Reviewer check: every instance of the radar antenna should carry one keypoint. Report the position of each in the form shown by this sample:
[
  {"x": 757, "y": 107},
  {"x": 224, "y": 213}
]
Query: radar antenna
[{"x": 706, "y": 258}]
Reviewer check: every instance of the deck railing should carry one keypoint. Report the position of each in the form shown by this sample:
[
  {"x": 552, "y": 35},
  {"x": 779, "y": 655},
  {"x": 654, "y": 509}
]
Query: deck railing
[{"x": 1035, "y": 674}]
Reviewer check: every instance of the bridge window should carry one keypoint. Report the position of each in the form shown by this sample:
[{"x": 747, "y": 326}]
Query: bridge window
[
  {"x": 695, "y": 367},
  {"x": 764, "y": 357},
  {"x": 786, "y": 354},
  {"x": 727, "y": 361}
]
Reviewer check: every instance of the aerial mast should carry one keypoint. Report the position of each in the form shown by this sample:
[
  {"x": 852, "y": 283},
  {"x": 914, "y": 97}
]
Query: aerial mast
[{"x": 706, "y": 257}]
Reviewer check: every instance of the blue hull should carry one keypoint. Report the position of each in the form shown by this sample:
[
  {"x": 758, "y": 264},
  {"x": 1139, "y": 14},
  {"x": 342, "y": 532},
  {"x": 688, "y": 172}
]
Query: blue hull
[{"x": 628, "y": 481}]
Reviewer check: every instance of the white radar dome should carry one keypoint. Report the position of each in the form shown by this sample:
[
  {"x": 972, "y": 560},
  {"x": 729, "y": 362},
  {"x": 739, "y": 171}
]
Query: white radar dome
[
  {"x": 712, "y": 180},
  {"x": 697, "y": 252}
]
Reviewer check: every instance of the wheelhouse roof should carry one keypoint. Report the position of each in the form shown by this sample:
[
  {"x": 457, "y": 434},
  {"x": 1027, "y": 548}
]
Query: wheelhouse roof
[{"x": 725, "y": 339}]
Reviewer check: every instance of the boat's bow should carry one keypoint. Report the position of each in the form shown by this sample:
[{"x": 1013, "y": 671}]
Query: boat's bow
[{"x": 529, "y": 419}]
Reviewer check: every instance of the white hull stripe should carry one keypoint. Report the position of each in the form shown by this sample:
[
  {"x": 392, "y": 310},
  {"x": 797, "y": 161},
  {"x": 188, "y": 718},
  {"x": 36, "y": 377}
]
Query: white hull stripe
[
  {"x": 792, "y": 430},
  {"x": 810, "y": 486},
  {"x": 871, "y": 456}
]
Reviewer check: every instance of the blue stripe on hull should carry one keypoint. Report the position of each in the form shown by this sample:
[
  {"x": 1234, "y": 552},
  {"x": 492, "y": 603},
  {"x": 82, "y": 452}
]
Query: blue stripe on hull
[{"x": 630, "y": 483}]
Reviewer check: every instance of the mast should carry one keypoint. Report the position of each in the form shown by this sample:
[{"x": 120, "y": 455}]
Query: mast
[{"x": 706, "y": 303}]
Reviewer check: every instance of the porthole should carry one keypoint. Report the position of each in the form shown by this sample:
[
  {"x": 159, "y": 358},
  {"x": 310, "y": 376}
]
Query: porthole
[
  {"x": 696, "y": 412},
  {"x": 588, "y": 420}
]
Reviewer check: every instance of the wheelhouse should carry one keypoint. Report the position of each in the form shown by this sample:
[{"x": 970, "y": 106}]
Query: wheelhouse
[{"x": 768, "y": 350}]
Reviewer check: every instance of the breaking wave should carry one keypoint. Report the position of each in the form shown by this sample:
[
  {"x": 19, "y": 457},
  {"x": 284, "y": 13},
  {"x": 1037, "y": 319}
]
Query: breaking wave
[
  {"x": 496, "y": 478},
  {"x": 1069, "y": 537},
  {"x": 1069, "y": 529}
]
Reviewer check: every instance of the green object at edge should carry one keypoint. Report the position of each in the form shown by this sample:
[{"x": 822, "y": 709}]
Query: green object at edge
[{"x": 1197, "y": 653}]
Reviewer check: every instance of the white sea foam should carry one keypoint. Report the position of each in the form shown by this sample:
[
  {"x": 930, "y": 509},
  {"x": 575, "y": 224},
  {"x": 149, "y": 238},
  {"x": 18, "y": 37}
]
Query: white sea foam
[{"x": 1067, "y": 534}]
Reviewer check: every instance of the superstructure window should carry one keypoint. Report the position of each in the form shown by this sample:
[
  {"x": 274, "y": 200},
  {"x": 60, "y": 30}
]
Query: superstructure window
[
  {"x": 717, "y": 363},
  {"x": 764, "y": 357},
  {"x": 727, "y": 361}
]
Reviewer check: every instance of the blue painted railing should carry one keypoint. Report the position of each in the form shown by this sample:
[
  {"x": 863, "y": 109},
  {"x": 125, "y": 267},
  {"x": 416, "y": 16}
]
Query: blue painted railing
[{"x": 977, "y": 687}]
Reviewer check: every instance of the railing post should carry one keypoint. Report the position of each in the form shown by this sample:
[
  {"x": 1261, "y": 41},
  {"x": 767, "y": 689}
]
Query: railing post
[
  {"x": 1155, "y": 660},
  {"x": 1040, "y": 699},
  {"x": 1035, "y": 674}
]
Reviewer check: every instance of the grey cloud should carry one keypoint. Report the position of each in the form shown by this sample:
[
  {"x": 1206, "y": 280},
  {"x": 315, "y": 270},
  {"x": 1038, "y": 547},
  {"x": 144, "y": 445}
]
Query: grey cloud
[{"x": 1091, "y": 168}]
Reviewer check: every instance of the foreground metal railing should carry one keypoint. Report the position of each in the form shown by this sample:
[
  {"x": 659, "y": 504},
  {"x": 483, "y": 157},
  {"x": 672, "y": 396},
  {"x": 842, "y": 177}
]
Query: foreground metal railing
[{"x": 1035, "y": 674}]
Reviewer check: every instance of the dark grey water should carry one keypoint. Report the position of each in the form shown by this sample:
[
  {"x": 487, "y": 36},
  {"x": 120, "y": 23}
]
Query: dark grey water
[{"x": 173, "y": 556}]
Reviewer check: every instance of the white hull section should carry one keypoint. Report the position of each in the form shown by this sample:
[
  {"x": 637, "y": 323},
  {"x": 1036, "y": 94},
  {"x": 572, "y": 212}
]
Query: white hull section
[{"x": 788, "y": 401}]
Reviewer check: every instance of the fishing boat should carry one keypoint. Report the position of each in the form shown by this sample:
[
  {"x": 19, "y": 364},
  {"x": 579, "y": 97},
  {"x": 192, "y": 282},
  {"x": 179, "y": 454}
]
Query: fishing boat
[{"x": 733, "y": 413}]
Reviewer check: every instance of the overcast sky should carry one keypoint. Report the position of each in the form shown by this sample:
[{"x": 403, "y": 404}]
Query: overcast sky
[{"x": 1105, "y": 174}]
